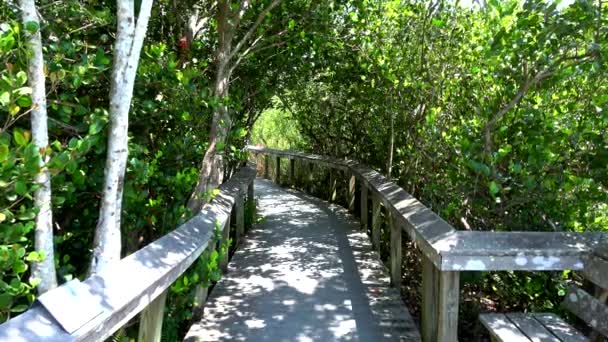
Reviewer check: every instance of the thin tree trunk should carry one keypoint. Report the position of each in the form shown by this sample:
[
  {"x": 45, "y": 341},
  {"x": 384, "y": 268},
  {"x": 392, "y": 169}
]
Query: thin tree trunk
[
  {"x": 45, "y": 269},
  {"x": 391, "y": 145},
  {"x": 129, "y": 40}
]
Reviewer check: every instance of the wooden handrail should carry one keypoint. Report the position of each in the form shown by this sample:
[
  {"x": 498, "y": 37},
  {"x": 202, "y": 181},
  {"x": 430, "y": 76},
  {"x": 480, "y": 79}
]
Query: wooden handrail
[
  {"x": 131, "y": 284},
  {"x": 446, "y": 250}
]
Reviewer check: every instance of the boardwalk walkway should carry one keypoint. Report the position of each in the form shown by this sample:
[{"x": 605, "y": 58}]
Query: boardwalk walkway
[{"x": 307, "y": 273}]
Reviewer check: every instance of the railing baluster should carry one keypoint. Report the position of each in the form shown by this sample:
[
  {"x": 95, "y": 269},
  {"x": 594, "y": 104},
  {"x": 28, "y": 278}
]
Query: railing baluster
[
  {"x": 364, "y": 210},
  {"x": 266, "y": 167},
  {"x": 332, "y": 185},
  {"x": 352, "y": 182},
  {"x": 292, "y": 178},
  {"x": 225, "y": 237},
  {"x": 440, "y": 296},
  {"x": 151, "y": 320},
  {"x": 395, "y": 251},
  {"x": 277, "y": 176},
  {"x": 376, "y": 222},
  {"x": 240, "y": 218}
]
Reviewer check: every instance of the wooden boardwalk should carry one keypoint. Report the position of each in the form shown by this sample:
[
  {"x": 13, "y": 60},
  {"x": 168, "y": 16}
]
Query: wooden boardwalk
[{"x": 307, "y": 273}]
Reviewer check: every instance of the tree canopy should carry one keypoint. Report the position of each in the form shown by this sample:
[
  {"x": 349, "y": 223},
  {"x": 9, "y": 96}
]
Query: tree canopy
[{"x": 493, "y": 114}]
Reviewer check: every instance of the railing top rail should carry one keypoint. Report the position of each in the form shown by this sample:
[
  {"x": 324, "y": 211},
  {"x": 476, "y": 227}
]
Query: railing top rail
[
  {"x": 453, "y": 250},
  {"x": 132, "y": 283}
]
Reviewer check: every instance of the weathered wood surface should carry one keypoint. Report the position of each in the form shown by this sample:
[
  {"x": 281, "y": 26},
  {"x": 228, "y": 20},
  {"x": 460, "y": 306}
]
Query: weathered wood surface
[
  {"x": 307, "y": 273},
  {"x": 151, "y": 324},
  {"x": 452, "y": 250},
  {"x": 364, "y": 209},
  {"x": 596, "y": 270},
  {"x": 134, "y": 282},
  {"x": 537, "y": 327},
  {"x": 588, "y": 308}
]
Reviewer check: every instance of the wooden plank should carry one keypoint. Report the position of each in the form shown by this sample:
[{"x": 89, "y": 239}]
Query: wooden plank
[
  {"x": 540, "y": 251},
  {"x": 395, "y": 252},
  {"x": 564, "y": 331},
  {"x": 532, "y": 328},
  {"x": 364, "y": 209},
  {"x": 596, "y": 271},
  {"x": 151, "y": 320},
  {"x": 430, "y": 281},
  {"x": 448, "y": 293},
  {"x": 501, "y": 328},
  {"x": 376, "y": 222},
  {"x": 352, "y": 181},
  {"x": 587, "y": 308}
]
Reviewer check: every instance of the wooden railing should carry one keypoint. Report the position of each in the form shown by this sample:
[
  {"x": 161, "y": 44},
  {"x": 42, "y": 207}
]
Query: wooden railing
[
  {"x": 94, "y": 309},
  {"x": 446, "y": 251}
]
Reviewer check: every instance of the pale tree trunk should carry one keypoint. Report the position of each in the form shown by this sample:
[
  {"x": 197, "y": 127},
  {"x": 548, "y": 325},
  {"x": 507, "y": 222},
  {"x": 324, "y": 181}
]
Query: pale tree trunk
[
  {"x": 391, "y": 145},
  {"x": 44, "y": 270},
  {"x": 227, "y": 23},
  {"x": 129, "y": 40}
]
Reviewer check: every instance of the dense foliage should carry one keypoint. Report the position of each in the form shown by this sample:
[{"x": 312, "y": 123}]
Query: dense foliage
[{"x": 494, "y": 116}]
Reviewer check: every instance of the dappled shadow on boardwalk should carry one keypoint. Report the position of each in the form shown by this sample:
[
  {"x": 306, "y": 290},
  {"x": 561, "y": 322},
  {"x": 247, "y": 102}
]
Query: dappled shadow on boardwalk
[{"x": 303, "y": 275}]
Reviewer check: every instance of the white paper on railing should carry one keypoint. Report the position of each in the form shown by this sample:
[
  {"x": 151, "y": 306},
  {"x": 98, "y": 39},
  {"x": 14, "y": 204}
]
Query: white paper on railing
[{"x": 72, "y": 305}]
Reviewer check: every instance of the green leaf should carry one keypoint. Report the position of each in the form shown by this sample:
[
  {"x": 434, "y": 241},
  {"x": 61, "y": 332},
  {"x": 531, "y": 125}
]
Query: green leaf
[
  {"x": 494, "y": 188},
  {"x": 32, "y": 26},
  {"x": 21, "y": 78},
  {"x": 5, "y": 300},
  {"x": 19, "y": 308},
  {"x": 3, "y": 153},
  {"x": 5, "y": 98},
  {"x": 21, "y": 137},
  {"x": 20, "y": 188}
]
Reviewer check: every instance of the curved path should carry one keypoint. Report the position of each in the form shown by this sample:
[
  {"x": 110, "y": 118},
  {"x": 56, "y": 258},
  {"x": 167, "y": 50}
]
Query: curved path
[{"x": 307, "y": 273}]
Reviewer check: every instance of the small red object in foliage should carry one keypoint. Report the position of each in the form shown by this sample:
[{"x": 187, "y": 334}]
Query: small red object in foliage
[{"x": 183, "y": 43}]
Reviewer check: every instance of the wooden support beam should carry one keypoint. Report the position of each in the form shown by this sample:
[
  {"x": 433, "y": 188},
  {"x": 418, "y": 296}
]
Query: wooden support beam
[
  {"x": 277, "y": 175},
  {"x": 429, "y": 291},
  {"x": 364, "y": 210},
  {"x": 395, "y": 251},
  {"x": 225, "y": 237},
  {"x": 311, "y": 177},
  {"x": 250, "y": 200},
  {"x": 352, "y": 181},
  {"x": 266, "y": 166},
  {"x": 151, "y": 320},
  {"x": 239, "y": 206},
  {"x": 376, "y": 223},
  {"x": 332, "y": 185},
  {"x": 292, "y": 176},
  {"x": 440, "y": 300}
]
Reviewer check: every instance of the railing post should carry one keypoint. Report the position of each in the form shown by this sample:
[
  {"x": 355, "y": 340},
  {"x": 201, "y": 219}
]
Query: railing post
[
  {"x": 266, "y": 163},
  {"x": 311, "y": 177},
  {"x": 151, "y": 320},
  {"x": 376, "y": 222},
  {"x": 440, "y": 296},
  {"x": 240, "y": 218},
  {"x": 364, "y": 210},
  {"x": 332, "y": 185},
  {"x": 277, "y": 176},
  {"x": 250, "y": 199},
  {"x": 225, "y": 237},
  {"x": 352, "y": 181},
  {"x": 292, "y": 178},
  {"x": 395, "y": 251}
]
